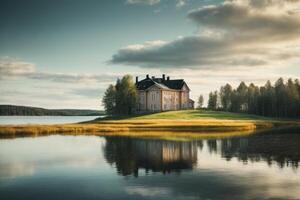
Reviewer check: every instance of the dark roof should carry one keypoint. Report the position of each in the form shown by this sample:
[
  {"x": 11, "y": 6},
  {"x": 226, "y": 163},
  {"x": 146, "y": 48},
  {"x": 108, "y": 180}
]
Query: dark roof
[
  {"x": 175, "y": 84},
  {"x": 144, "y": 84}
]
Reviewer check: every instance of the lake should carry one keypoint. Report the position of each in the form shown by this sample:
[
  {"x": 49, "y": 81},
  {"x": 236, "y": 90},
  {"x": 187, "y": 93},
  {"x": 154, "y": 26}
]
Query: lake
[
  {"x": 17, "y": 120},
  {"x": 258, "y": 166}
]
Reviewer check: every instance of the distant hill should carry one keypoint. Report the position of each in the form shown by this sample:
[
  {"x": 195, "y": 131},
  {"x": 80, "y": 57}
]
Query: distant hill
[{"x": 6, "y": 110}]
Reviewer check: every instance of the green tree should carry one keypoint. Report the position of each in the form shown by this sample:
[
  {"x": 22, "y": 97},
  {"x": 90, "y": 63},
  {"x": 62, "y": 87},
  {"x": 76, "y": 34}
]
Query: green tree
[
  {"x": 225, "y": 96},
  {"x": 297, "y": 85},
  {"x": 109, "y": 100},
  {"x": 200, "y": 101},
  {"x": 121, "y": 99},
  {"x": 281, "y": 98},
  {"x": 253, "y": 95},
  {"x": 293, "y": 97},
  {"x": 128, "y": 94},
  {"x": 242, "y": 97},
  {"x": 213, "y": 100}
]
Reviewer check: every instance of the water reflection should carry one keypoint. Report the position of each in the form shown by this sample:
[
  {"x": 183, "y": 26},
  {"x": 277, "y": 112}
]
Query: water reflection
[
  {"x": 262, "y": 166},
  {"x": 280, "y": 146},
  {"x": 129, "y": 155}
]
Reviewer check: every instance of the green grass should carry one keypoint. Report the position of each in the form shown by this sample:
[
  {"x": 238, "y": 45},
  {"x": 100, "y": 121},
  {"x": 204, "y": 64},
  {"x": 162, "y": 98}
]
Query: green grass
[{"x": 192, "y": 115}]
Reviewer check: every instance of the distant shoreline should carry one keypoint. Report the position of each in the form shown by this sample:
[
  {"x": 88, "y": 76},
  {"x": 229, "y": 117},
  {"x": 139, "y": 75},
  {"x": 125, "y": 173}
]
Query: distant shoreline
[{"x": 15, "y": 110}]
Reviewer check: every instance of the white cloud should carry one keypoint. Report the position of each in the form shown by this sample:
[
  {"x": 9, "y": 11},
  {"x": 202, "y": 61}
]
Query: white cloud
[
  {"x": 10, "y": 67},
  {"x": 233, "y": 34},
  {"x": 50, "y": 90},
  {"x": 13, "y": 68}
]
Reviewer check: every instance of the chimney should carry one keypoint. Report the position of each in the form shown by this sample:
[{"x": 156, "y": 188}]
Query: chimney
[
  {"x": 163, "y": 77},
  {"x": 136, "y": 79},
  {"x": 168, "y": 78},
  {"x": 147, "y": 76}
]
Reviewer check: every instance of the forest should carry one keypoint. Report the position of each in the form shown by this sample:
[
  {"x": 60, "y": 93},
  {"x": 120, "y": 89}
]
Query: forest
[{"x": 282, "y": 99}]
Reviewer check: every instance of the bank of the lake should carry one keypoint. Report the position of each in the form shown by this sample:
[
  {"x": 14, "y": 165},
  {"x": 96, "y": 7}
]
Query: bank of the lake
[{"x": 188, "y": 123}]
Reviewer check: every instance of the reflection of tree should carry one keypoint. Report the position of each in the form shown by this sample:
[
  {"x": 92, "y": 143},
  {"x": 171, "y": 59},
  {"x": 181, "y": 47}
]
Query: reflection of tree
[
  {"x": 212, "y": 145},
  {"x": 129, "y": 155},
  {"x": 282, "y": 147}
]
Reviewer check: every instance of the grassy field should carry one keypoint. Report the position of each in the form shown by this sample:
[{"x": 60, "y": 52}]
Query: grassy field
[
  {"x": 188, "y": 123},
  {"x": 194, "y": 114}
]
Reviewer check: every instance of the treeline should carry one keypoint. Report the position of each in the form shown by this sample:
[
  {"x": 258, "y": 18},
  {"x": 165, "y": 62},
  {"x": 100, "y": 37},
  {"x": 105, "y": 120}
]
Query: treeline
[
  {"x": 7, "y": 110},
  {"x": 121, "y": 98},
  {"x": 279, "y": 100}
]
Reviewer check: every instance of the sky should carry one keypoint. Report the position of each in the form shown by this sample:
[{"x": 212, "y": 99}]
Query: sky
[{"x": 64, "y": 53}]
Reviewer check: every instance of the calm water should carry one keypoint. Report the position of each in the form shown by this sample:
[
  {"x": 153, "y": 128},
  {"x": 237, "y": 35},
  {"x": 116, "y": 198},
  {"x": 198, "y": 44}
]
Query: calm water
[
  {"x": 44, "y": 119},
  {"x": 261, "y": 166}
]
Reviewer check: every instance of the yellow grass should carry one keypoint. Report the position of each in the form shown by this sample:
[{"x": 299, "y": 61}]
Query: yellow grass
[
  {"x": 133, "y": 127},
  {"x": 151, "y": 126}
]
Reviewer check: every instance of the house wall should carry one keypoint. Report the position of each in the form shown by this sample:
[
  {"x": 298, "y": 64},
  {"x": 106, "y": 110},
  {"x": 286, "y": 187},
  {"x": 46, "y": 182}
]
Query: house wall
[
  {"x": 142, "y": 100},
  {"x": 185, "y": 96},
  {"x": 170, "y": 100},
  {"x": 154, "y": 99}
]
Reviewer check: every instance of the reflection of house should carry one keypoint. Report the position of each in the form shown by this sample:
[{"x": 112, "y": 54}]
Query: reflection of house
[
  {"x": 129, "y": 155},
  {"x": 160, "y": 94}
]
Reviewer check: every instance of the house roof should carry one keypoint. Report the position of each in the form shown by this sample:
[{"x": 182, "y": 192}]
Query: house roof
[{"x": 146, "y": 83}]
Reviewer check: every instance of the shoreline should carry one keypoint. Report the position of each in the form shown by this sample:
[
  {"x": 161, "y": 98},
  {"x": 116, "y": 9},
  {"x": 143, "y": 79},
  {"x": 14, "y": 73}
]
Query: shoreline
[{"x": 146, "y": 128}]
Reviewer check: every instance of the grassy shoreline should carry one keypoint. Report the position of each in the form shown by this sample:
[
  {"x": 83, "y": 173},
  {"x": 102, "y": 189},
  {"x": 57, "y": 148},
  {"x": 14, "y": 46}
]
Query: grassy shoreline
[{"x": 190, "y": 123}]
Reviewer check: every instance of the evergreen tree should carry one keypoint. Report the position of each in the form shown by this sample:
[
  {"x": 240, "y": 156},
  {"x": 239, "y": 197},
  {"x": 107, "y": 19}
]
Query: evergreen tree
[
  {"x": 242, "y": 97},
  {"x": 253, "y": 94},
  {"x": 280, "y": 100},
  {"x": 293, "y": 97},
  {"x": 225, "y": 96},
  {"x": 213, "y": 100},
  {"x": 200, "y": 101}
]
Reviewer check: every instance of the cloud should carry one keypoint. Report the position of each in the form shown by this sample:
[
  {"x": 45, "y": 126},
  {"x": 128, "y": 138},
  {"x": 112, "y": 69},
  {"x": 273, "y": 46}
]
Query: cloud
[
  {"x": 12, "y": 68},
  {"x": 88, "y": 92},
  {"x": 53, "y": 89},
  {"x": 179, "y": 3},
  {"x": 233, "y": 34},
  {"x": 190, "y": 52},
  {"x": 72, "y": 78},
  {"x": 247, "y": 22},
  {"x": 146, "y": 2}
]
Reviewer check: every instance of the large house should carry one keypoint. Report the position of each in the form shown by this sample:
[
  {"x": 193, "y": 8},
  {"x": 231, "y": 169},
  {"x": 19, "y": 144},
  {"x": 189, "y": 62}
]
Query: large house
[{"x": 161, "y": 94}]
